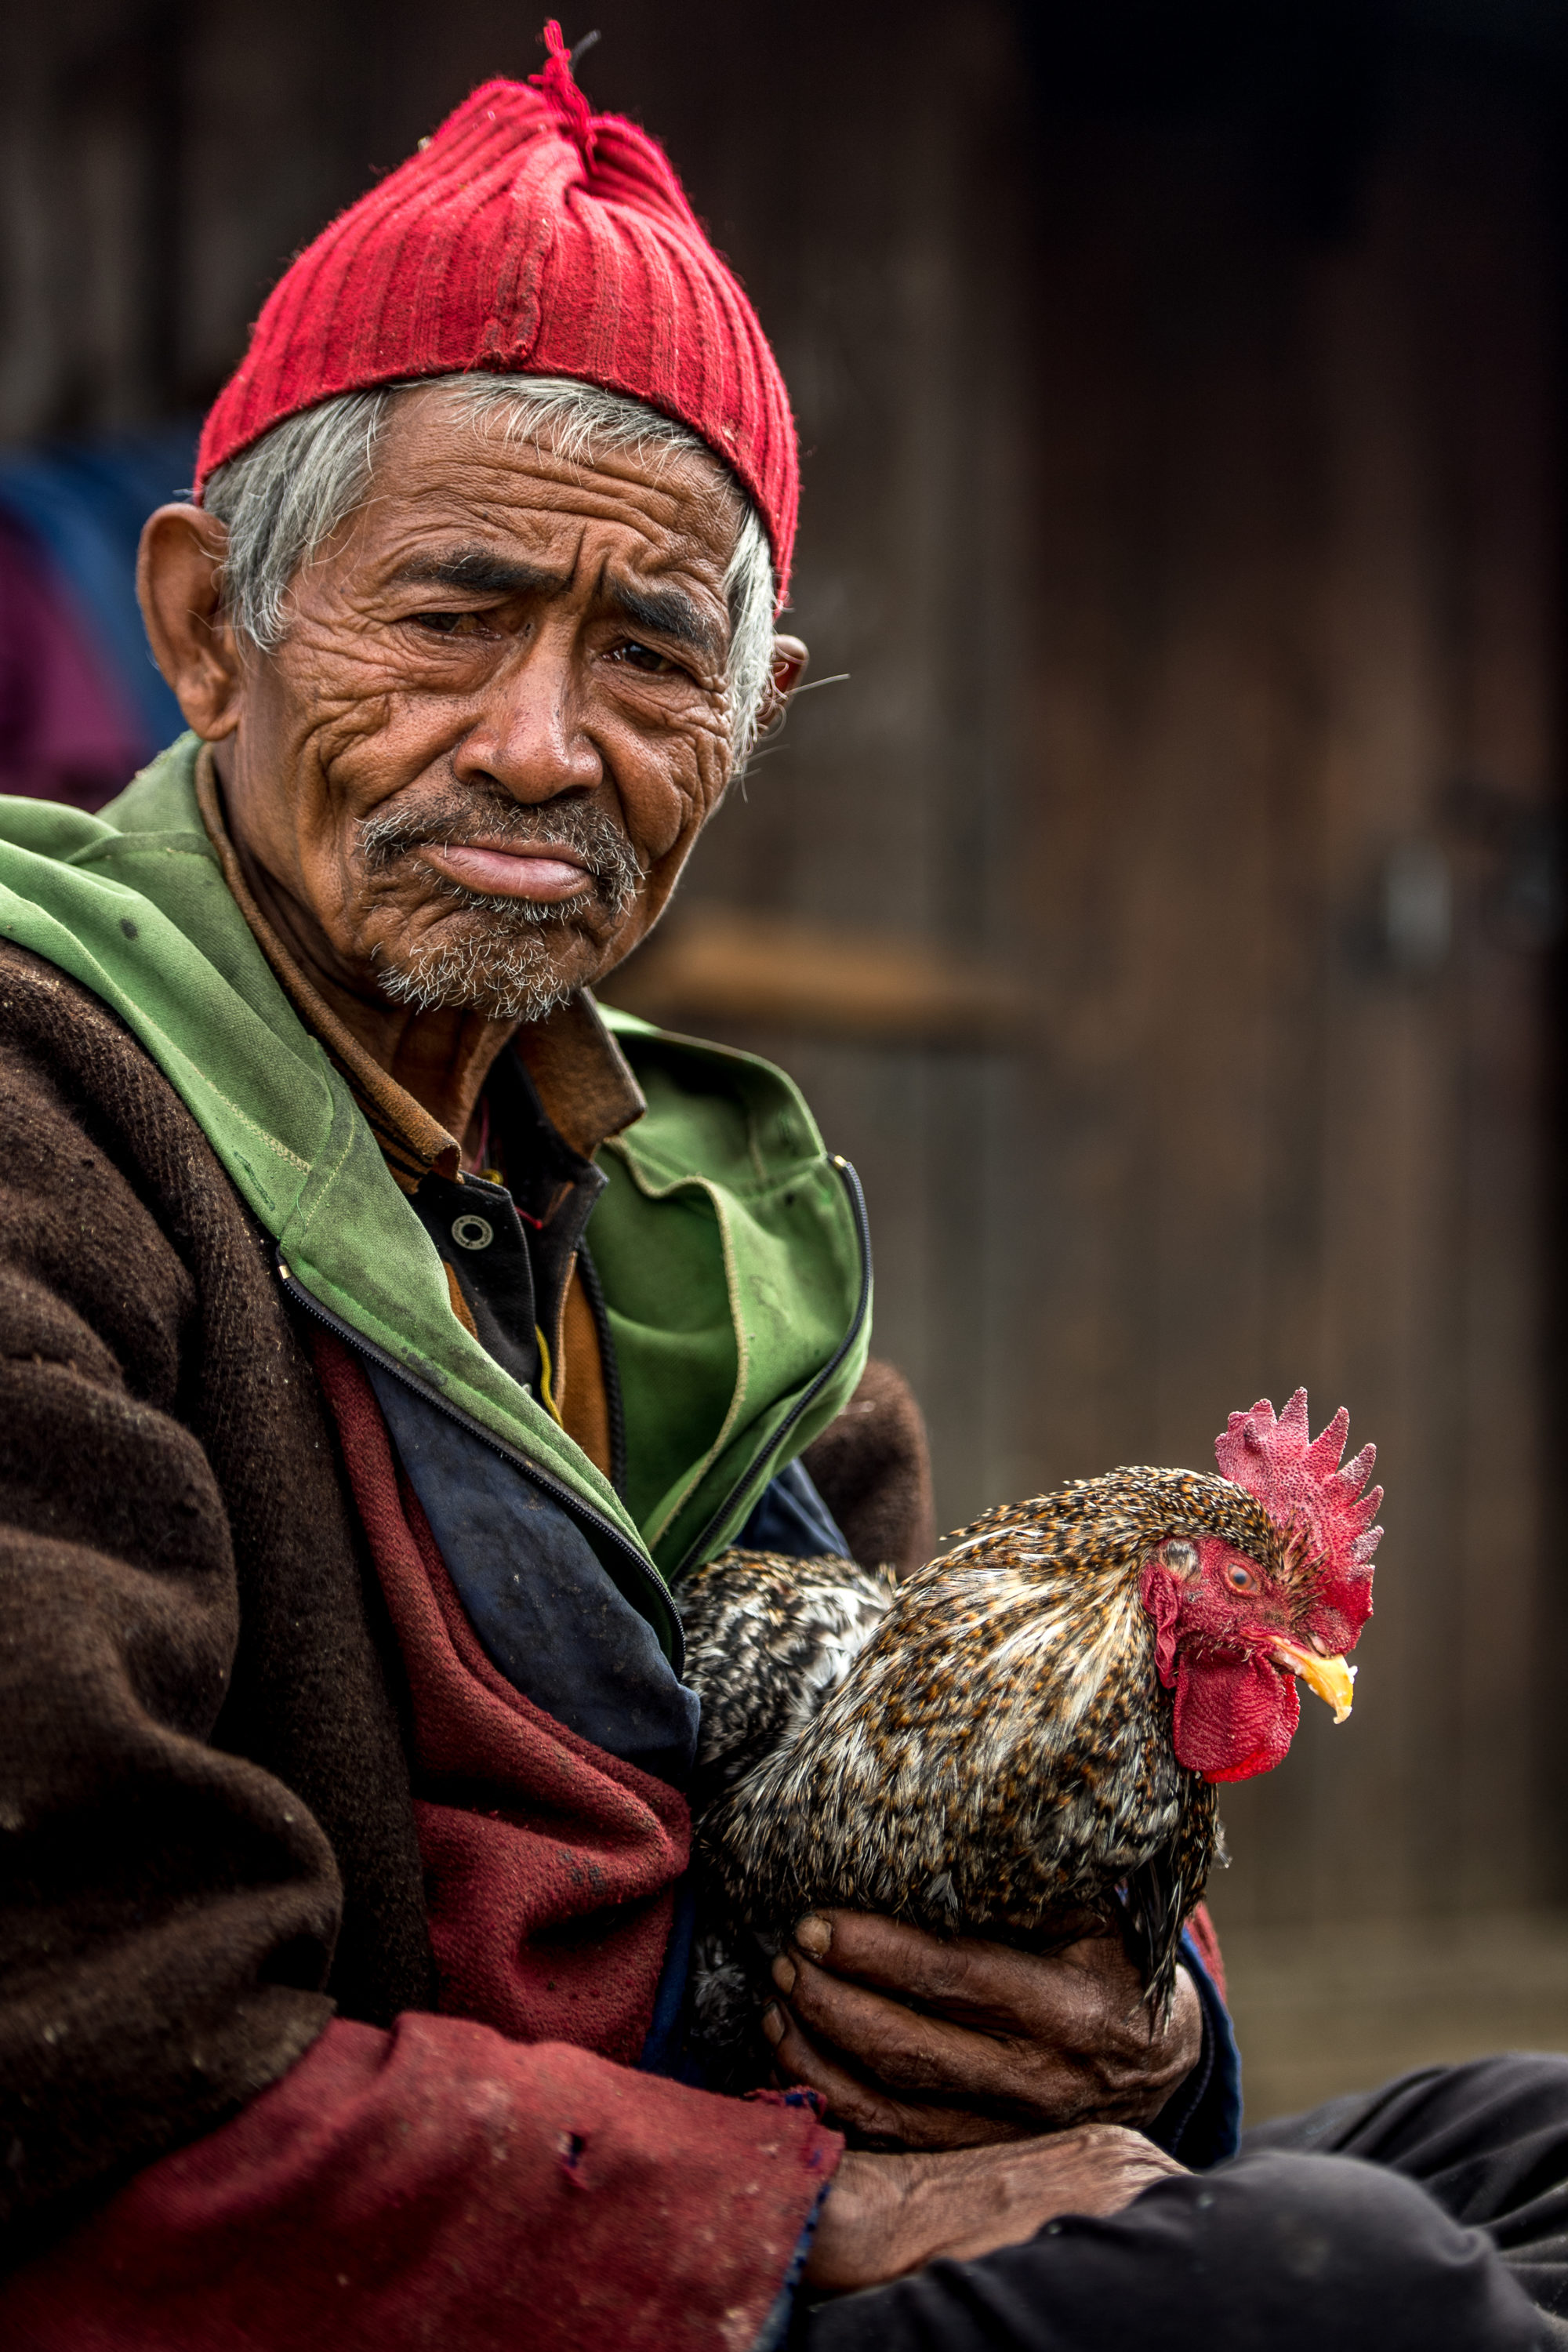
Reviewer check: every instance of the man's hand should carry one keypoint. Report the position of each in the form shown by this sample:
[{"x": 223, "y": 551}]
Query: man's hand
[
  {"x": 884, "y": 2215},
  {"x": 919, "y": 2042}
]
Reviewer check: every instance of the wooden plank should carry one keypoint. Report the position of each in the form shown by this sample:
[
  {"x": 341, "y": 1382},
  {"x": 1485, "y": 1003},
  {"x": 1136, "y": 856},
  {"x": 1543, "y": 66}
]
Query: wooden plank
[
  {"x": 1279, "y": 512},
  {"x": 734, "y": 965}
]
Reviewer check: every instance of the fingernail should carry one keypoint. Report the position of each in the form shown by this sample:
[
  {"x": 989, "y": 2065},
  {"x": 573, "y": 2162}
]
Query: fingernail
[
  {"x": 785, "y": 1973},
  {"x": 813, "y": 1934},
  {"x": 773, "y": 2022}
]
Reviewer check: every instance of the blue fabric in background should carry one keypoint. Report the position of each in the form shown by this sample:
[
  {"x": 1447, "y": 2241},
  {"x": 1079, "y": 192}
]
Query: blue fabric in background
[{"x": 83, "y": 504}]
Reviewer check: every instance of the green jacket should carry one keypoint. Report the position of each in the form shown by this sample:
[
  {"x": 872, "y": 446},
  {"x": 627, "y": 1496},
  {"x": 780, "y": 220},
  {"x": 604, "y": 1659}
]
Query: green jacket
[{"x": 731, "y": 1249}]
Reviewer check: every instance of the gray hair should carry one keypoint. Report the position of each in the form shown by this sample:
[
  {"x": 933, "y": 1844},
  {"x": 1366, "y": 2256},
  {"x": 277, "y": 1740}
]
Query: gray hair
[{"x": 281, "y": 499}]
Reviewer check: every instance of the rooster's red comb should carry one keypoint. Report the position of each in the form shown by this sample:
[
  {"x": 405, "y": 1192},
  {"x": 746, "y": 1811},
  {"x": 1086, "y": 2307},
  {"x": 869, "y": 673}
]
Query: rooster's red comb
[{"x": 1300, "y": 1482}]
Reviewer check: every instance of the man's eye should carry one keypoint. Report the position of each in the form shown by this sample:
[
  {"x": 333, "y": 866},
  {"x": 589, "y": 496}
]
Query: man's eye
[
  {"x": 642, "y": 657},
  {"x": 448, "y": 624}
]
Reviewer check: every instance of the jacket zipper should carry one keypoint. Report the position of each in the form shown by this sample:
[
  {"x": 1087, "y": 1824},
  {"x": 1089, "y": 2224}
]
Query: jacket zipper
[
  {"x": 856, "y": 1198},
  {"x": 556, "y": 1488}
]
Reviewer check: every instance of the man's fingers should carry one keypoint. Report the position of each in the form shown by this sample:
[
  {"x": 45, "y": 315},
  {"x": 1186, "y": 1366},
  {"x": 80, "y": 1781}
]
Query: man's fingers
[
  {"x": 939, "y": 2043},
  {"x": 1086, "y": 1997},
  {"x": 922, "y": 2057},
  {"x": 870, "y": 2112},
  {"x": 961, "y": 1973},
  {"x": 858, "y": 2106},
  {"x": 1076, "y": 1998},
  {"x": 1011, "y": 2004},
  {"x": 1180, "y": 2042}
]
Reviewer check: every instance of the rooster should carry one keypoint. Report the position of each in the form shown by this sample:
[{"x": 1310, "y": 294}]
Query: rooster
[{"x": 1027, "y": 1735}]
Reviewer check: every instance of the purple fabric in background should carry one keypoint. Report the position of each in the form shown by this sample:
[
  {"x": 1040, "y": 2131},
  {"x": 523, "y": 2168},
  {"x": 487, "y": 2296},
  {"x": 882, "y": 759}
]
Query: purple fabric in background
[{"x": 67, "y": 731}]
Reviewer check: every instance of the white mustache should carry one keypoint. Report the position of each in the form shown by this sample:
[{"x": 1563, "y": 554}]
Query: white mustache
[{"x": 601, "y": 843}]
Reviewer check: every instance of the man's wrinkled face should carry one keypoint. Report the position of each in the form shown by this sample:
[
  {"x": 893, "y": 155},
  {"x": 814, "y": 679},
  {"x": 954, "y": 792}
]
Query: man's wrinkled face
[{"x": 499, "y": 718}]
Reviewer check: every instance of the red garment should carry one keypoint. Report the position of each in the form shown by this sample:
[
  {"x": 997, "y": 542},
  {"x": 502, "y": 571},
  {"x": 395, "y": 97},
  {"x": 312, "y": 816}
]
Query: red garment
[
  {"x": 523, "y": 1826},
  {"x": 439, "y": 2188},
  {"x": 453, "y": 2183},
  {"x": 1206, "y": 1937},
  {"x": 527, "y": 236}
]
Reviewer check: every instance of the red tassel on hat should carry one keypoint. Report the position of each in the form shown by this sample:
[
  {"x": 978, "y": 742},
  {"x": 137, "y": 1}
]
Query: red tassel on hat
[
  {"x": 570, "y": 107},
  {"x": 527, "y": 236}
]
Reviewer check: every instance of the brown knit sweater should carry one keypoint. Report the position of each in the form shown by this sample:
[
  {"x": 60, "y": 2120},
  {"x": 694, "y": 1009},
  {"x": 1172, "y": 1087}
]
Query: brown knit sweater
[
  {"x": 199, "y": 1699},
  {"x": 204, "y": 1723}
]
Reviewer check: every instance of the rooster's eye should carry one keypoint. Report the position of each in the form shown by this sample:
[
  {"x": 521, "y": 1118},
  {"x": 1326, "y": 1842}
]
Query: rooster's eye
[
  {"x": 1180, "y": 1555},
  {"x": 1240, "y": 1578}
]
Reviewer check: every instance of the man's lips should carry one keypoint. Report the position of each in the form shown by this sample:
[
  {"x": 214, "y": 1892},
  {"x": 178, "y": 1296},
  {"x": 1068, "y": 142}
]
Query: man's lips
[{"x": 545, "y": 875}]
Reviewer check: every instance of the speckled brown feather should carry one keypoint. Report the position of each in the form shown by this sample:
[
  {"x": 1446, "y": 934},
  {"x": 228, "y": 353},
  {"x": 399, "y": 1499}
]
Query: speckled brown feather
[{"x": 985, "y": 1748}]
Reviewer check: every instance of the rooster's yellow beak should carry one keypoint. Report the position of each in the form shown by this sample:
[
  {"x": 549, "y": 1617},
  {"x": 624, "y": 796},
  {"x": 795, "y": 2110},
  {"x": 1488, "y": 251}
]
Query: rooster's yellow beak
[{"x": 1329, "y": 1677}]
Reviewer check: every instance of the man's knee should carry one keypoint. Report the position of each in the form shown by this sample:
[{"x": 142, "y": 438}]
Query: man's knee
[
  {"x": 1298, "y": 2245},
  {"x": 1435, "y": 2118},
  {"x": 1279, "y": 2251}
]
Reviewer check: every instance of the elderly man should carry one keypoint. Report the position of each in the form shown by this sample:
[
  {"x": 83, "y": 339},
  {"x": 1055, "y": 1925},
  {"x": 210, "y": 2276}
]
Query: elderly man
[{"x": 383, "y": 1329}]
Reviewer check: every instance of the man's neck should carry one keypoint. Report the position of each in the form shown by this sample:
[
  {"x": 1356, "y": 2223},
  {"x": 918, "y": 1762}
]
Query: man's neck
[{"x": 441, "y": 1058}]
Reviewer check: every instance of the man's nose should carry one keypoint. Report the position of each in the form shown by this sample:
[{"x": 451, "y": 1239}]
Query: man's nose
[{"x": 527, "y": 735}]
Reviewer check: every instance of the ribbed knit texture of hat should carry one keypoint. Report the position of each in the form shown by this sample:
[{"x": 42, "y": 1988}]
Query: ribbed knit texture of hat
[{"x": 527, "y": 236}]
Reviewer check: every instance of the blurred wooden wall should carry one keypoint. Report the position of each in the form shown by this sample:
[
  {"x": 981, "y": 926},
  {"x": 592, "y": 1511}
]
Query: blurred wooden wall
[
  {"x": 1295, "y": 716},
  {"x": 1192, "y": 548}
]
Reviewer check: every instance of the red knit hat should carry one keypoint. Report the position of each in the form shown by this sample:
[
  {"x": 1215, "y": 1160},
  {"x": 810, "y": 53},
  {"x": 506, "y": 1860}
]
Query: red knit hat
[{"x": 527, "y": 236}]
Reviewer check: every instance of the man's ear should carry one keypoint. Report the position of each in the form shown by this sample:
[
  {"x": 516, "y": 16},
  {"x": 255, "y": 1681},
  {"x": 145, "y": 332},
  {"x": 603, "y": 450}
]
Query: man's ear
[
  {"x": 177, "y": 575},
  {"x": 784, "y": 674}
]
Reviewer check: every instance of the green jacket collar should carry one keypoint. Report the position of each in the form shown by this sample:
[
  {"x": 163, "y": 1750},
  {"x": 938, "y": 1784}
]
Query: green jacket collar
[{"x": 730, "y": 1247}]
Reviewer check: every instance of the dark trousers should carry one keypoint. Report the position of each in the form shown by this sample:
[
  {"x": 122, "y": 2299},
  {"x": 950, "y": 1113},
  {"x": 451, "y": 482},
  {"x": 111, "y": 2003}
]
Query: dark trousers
[{"x": 1432, "y": 2215}]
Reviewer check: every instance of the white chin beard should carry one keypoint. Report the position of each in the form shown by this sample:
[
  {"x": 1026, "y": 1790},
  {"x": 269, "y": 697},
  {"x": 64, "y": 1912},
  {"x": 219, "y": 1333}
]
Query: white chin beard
[{"x": 506, "y": 979}]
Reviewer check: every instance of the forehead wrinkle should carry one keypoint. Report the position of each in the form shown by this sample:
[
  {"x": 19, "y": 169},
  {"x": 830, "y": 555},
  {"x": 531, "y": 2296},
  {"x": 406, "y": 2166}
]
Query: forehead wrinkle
[
  {"x": 674, "y": 474},
  {"x": 530, "y": 482}
]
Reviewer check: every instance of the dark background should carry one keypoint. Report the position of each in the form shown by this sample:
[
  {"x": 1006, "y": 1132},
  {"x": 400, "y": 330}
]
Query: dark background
[{"x": 1165, "y": 913}]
